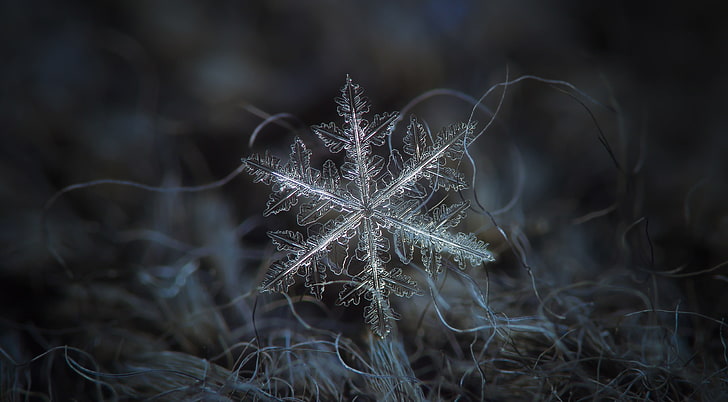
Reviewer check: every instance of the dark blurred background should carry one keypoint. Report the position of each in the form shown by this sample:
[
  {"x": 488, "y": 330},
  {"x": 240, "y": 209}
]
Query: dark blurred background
[{"x": 167, "y": 93}]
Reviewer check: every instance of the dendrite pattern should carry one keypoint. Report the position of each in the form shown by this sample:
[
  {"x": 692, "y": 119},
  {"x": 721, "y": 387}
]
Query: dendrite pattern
[{"x": 368, "y": 207}]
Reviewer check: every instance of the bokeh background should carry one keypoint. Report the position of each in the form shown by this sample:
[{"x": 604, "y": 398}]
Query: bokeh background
[{"x": 168, "y": 93}]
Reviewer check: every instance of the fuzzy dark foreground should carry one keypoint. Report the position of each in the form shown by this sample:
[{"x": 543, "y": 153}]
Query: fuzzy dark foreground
[
  {"x": 607, "y": 219},
  {"x": 183, "y": 332}
]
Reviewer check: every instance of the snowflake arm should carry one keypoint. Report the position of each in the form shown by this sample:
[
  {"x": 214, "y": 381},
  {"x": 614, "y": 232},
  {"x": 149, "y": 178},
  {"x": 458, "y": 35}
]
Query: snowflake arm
[{"x": 282, "y": 273}]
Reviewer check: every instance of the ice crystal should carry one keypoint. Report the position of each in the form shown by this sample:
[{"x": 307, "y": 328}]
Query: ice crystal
[{"x": 367, "y": 207}]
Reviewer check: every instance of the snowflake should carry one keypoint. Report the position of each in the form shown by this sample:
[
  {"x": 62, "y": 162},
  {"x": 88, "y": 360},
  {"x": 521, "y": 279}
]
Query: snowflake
[{"x": 366, "y": 206}]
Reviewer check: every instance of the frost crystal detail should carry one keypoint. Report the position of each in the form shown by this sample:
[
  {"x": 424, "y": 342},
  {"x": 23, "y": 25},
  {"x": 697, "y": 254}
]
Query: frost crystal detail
[{"x": 366, "y": 208}]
